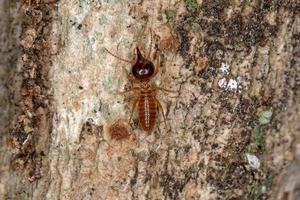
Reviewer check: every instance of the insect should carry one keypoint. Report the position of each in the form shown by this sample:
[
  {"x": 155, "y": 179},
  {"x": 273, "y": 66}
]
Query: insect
[{"x": 142, "y": 72}]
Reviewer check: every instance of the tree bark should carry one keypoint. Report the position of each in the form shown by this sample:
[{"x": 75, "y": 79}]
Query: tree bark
[{"x": 233, "y": 127}]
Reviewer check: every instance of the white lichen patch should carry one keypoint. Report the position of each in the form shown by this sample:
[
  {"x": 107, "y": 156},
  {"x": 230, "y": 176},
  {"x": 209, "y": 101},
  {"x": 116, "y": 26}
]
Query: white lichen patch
[
  {"x": 253, "y": 161},
  {"x": 225, "y": 83},
  {"x": 222, "y": 83},
  {"x": 224, "y": 69},
  {"x": 230, "y": 84}
]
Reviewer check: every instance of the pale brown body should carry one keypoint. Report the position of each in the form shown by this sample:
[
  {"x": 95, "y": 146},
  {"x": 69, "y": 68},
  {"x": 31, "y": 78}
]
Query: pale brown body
[
  {"x": 147, "y": 110},
  {"x": 142, "y": 71},
  {"x": 148, "y": 105}
]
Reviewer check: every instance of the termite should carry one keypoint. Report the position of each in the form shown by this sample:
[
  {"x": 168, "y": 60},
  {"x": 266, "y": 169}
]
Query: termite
[{"x": 142, "y": 72}]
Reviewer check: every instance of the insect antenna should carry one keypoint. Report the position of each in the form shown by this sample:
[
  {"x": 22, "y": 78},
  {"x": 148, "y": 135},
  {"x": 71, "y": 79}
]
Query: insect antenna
[
  {"x": 151, "y": 41},
  {"x": 114, "y": 55}
]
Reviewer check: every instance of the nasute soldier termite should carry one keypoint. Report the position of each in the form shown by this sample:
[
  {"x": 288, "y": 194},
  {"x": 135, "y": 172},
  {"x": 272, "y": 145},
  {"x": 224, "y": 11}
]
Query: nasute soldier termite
[{"x": 142, "y": 72}]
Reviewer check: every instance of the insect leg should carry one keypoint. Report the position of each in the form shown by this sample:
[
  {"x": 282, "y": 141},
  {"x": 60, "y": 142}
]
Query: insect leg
[
  {"x": 157, "y": 66},
  {"x": 164, "y": 89},
  {"x": 130, "y": 90},
  {"x": 162, "y": 111},
  {"x": 150, "y": 47},
  {"x": 133, "y": 107}
]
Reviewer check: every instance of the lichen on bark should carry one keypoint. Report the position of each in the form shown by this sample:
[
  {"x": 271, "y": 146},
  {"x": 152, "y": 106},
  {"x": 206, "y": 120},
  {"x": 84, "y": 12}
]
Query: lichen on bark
[{"x": 232, "y": 127}]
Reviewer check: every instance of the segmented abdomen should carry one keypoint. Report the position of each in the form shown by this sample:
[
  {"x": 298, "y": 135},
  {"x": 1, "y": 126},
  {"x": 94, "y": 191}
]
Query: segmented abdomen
[{"x": 147, "y": 106}]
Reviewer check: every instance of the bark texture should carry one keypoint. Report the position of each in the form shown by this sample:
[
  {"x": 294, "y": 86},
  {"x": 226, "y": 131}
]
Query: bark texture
[
  {"x": 233, "y": 126},
  {"x": 10, "y": 31}
]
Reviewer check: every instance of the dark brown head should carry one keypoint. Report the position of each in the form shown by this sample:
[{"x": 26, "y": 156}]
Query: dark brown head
[{"x": 143, "y": 69}]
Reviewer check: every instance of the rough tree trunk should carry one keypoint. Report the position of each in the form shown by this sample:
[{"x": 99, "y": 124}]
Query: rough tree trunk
[{"x": 233, "y": 126}]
